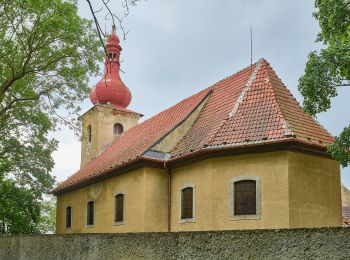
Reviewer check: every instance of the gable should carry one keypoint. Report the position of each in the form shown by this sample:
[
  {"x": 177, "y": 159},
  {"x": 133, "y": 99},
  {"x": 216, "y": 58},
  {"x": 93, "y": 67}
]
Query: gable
[{"x": 168, "y": 142}]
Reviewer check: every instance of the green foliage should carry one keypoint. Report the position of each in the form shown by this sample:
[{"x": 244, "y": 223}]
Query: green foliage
[
  {"x": 47, "y": 54},
  {"x": 340, "y": 148},
  {"x": 20, "y": 209},
  {"x": 47, "y": 223},
  {"x": 329, "y": 69}
]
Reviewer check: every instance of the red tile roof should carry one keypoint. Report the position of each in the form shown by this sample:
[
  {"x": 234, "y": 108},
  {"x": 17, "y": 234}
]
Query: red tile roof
[{"x": 251, "y": 106}]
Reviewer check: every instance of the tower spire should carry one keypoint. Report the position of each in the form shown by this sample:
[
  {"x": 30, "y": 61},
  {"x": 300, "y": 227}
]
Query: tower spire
[{"x": 111, "y": 89}]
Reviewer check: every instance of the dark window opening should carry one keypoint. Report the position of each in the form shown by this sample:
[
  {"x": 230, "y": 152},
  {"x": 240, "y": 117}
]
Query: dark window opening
[
  {"x": 245, "y": 197},
  {"x": 110, "y": 56},
  {"x": 114, "y": 56},
  {"x": 119, "y": 208},
  {"x": 187, "y": 203},
  {"x": 68, "y": 217},
  {"x": 89, "y": 133},
  {"x": 90, "y": 213},
  {"x": 118, "y": 129}
]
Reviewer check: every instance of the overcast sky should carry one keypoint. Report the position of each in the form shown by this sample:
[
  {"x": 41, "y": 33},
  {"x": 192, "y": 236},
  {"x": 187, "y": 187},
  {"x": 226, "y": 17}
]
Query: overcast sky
[{"x": 177, "y": 47}]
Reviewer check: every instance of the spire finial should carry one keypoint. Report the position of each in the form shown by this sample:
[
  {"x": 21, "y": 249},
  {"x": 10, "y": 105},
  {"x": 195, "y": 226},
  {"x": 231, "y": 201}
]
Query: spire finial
[
  {"x": 111, "y": 89},
  {"x": 113, "y": 29}
]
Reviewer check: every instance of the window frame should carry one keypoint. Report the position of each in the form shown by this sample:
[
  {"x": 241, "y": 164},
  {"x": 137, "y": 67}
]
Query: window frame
[
  {"x": 86, "y": 214},
  {"x": 122, "y": 128},
  {"x": 71, "y": 216},
  {"x": 232, "y": 182},
  {"x": 193, "y": 219},
  {"x": 89, "y": 133},
  {"x": 118, "y": 223}
]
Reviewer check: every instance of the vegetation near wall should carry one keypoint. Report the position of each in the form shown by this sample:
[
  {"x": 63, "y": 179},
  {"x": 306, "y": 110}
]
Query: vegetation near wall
[{"x": 325, "y": 243}]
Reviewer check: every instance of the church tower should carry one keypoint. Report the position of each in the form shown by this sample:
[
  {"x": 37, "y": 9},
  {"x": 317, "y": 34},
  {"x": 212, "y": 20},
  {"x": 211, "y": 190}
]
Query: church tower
[{"x": 109, "y": 117}]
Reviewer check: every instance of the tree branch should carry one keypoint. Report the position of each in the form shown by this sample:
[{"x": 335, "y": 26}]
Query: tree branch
[{"x": 98, "y": 28}]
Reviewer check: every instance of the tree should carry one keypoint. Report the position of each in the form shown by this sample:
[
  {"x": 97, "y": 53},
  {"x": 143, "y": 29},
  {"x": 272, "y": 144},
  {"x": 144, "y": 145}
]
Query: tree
[
  {"x": 47, "y": 223},
  {"x": 47, "y": 53},
  {"x": 329, "y": 69}
]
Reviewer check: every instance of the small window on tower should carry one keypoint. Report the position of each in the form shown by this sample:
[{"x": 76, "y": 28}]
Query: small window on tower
[
  {"x": 118, "y": 129},
  {"x": 89, "y": 133},
  {"x": 110, "y": 56},
  {"x": 114, "y": 56}
]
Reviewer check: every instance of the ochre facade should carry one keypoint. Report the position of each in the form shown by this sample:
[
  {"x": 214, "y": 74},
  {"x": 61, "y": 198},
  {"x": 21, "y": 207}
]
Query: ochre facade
[
  {"x": 101, "y": 119},
  {"x": 285, "y": 176}
]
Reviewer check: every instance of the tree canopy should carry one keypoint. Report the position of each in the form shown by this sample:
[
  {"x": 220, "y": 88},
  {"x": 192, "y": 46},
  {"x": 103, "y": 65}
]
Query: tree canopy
[
  {"x": 47, "y": 54},
  {"x": 329, "y": 69}
]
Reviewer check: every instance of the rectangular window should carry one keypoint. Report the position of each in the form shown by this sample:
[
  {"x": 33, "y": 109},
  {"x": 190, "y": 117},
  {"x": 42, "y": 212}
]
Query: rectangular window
[
  {"x": 69, "y": 217},
  {"x": 187, "y": 203},
  {"x": 119, "y": 208},
  {"x": 245, "y": 197},
  {"x": 90, "y": 213}
]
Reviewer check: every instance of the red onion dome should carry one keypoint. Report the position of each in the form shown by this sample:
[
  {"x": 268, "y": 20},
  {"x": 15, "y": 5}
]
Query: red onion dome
[{"x": 111, "y": 89}]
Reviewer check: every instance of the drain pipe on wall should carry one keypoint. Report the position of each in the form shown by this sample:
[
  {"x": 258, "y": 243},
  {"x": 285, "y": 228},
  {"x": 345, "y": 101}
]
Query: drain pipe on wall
[{"x": 169, "y": 196}]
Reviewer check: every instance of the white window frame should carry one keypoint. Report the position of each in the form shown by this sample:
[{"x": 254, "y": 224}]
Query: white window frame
[
  {"x": 119, "y": 223},
  {"x": 86, "y": 207},
  {"x": 193, "y": 219},
  {"x": 232, "y": 215}
]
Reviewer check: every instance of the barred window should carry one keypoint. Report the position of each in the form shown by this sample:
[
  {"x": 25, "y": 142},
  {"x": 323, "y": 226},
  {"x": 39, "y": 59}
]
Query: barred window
[
  {"x": 245, "y": 197},
  {"x": 119, "y": 208},
  {"x": 187, "y": 203},
  {"x": 68, "y": 217},
  {"x": 90, "y": 213}
]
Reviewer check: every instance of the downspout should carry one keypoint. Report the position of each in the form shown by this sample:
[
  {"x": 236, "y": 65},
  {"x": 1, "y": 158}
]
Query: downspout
[{"x": 169, "y": 196}]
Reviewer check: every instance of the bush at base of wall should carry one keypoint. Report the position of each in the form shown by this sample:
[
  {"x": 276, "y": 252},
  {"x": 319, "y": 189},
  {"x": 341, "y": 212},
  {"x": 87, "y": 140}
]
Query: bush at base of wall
[{"x": 325, "y": 243}]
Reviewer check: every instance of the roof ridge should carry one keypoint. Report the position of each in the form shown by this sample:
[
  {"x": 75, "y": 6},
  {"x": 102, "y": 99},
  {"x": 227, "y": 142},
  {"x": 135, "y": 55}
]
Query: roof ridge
[
  {"x": 270, "y": 71},
  {"x": 235, "y": 73},
  {"x": 246, "y": 87},
  {"x": 285, "y": 124},
  {"x": 239, "y": 99}
]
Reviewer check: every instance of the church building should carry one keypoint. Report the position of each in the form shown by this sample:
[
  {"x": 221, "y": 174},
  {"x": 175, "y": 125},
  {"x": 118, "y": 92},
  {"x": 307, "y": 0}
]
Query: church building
[{"x": 240, "y": 154}]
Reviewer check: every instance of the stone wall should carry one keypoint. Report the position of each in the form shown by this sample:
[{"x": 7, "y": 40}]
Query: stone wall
[{"x": 325, "y": 243}]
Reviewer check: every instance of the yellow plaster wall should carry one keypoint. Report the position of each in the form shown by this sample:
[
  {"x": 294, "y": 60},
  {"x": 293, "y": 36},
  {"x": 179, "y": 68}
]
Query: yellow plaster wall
[
  {"x": 170, "y": 140},
  {"x": 145, "y": 204},
  {"x": 156, "y": 200},
  {"x": 315, "y": 191},
  {"x": 297, "y": 190},
  {"x": 211, "y": 178},
  {"x": 102, "y": 120}
]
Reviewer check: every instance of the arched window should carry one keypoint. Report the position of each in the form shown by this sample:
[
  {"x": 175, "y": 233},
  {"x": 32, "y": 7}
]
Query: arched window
[
  {"x": 69, "y": 217},
  {"x": 114, "y": 56},
  {"x": 118, "y": 129},
  {"x": 110, "y": 56},
  {"x": 119, "y": 208},
  {"x": 187, "y": 203},
  {"x": 89, "y": 133},
  {"x": 90, "y": 213},
  {"x": 245, "y": 197}
]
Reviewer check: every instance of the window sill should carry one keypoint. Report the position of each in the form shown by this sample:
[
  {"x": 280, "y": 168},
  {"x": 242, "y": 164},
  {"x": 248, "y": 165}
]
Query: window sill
[
  {"x": 245, "y": 217},
  {"x": 69, "y": 230},
  {"x": 119, "y": 223},
  {"x": 187, "y": 220},
  {"x": 89, "y": 226}
]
